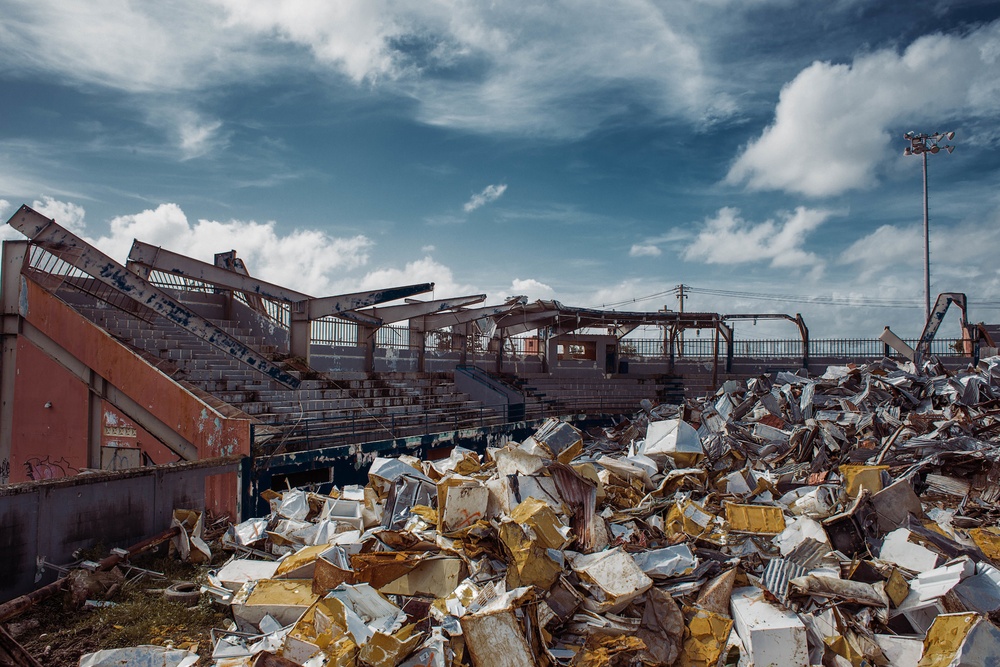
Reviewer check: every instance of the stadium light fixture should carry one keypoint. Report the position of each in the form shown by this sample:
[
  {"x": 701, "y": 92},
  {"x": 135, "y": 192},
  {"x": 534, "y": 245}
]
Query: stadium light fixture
[{"x": 922, "y": 144}]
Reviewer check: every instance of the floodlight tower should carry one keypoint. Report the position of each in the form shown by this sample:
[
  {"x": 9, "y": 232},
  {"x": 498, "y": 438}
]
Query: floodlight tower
[{"x": 922, "y": 144}]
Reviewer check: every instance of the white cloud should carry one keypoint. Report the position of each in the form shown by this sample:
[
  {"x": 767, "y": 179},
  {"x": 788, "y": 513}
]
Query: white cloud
[
  {"x": 644, "y": 250},
  {"x": 628, "y": 295},
  {"x": 729, "y": 239},
  {"x": 886, "y": 247},
  {"x": 138, "y": 48},
  {"x": 310, "y": 261},
  {"x": 196, "y": 136},
  {"x": 8, "y": 233},
  {"x": 836, "y": 123},
  {"x": 428, "y": 249},
  {"x": 466, "y": 64},
  {"x": 306, "y": 259},
  {"x": 531, "y": 288},
  {"x": 68, "y": 215},
  {"x": 489, "y": 194},
  {"x": 424, "y": 270},
  {"x": 963, "y": 256}
]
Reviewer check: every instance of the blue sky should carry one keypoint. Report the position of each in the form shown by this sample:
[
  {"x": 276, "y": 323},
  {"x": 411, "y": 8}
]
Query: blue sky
[{"x": 596, "y": 153}]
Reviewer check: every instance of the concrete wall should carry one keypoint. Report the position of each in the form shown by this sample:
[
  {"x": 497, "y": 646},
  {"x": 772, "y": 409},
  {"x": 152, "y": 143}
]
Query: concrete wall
[
  {"x": 258, "y": 324},
  {"x": 53, "y": 518},
  {"x": 337, "y": 358}
]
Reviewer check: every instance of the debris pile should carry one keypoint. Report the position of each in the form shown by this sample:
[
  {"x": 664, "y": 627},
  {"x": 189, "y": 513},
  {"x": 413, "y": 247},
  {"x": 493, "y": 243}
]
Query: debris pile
[{"x": 844, "y": 520}]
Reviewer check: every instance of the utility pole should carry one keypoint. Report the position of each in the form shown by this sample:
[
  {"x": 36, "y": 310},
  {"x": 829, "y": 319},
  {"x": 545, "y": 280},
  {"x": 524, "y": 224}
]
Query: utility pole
[
  {"x": 680, "y": 309},
  {"x": 666, "y": 332}
]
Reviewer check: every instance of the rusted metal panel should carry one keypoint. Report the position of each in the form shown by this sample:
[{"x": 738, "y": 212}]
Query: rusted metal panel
[
  {"x": 73, "y": 250},
  {"x": 497, "y": 640}
]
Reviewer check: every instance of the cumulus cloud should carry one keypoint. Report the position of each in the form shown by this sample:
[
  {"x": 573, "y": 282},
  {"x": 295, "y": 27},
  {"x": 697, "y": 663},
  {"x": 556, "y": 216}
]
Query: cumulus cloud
[
  {"x": 8, "y": 233},
  {"x": 68, "y": 215},
  {"x": 644, "y": 250},
  {"x": 489, "y": 194},
  {"x": 835, "y": 123},
  {"x": 531, "y": 288},
  {"x": 631, "y": 294},
  {"x": 888, "y": 245},
  {"x": 306, "y": 260},
  {"x": 963, "y": 256},
  {"x": 727, "y": 238},
  {"x": 425, "y": 270}
]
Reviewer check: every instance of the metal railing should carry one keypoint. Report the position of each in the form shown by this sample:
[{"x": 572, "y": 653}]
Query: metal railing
[
  {"x": 55, "y": 274},
  {"x": 336, "y": 331},
  {"x": 277, "y": 312},
  {"x": 702, "y": 348}
]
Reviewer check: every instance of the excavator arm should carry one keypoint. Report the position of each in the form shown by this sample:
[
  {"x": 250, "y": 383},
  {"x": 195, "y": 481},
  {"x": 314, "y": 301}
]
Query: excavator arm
[
  {"x": 972, "y": 335},
  {"x": 944, "y": 300}
]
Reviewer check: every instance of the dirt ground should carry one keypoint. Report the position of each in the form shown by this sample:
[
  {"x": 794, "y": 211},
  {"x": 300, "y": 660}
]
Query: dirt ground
[{"x": 137, "y": 612}]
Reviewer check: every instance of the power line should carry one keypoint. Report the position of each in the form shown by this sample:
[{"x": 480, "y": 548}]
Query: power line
[{"x": 853, "y": 301}]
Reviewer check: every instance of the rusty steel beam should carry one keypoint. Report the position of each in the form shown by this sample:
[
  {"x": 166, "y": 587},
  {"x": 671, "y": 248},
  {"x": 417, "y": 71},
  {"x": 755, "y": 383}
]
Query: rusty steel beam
[
  {"x": 390, "y": 314},
  {"x": 73, "y": 250},
  {"x": 156, "y": 258},
  {"x": 515, "y": 318},
  {"x": 313, "y": 309},
  {"x": 345, "y": 306},
  {"x": 441, "y": 320}
]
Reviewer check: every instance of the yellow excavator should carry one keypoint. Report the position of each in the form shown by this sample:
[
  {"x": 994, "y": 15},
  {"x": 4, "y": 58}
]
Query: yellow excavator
[{"x": 973, "y": 335}]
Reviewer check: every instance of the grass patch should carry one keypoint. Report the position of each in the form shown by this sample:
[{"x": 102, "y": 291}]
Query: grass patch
[{"x": 58, "y": 634}]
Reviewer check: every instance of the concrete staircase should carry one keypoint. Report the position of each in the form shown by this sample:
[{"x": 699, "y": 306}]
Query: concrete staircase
[
  {"x": 324, "y": 410},
  {"x": 613, "y": 395}
]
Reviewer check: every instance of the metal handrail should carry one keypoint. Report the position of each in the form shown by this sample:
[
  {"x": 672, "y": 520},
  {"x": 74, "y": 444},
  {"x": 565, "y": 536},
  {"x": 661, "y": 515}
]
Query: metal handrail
[{"x": 695, "y": 348}]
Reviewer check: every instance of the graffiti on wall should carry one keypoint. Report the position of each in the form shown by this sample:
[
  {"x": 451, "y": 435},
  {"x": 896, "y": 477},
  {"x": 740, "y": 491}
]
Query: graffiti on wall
[
  {"x": 4, "y": 471},
  {"x": 120, "y": 458},
  {"x": 46, "y": 468}
]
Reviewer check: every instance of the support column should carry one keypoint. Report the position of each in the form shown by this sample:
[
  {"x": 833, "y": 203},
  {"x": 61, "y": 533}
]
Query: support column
[
  {"x": 13, "y": 258},
  {"x": 551, "y": 352},
  {"x": 673, "y": 345},
  {"x": 715, "y": 358},
  {"x": 95, "y": 418},
  {"x": 462, "y": 333},
  {"x": 419, "y": 339},
  {"x": 366, "y": 340},
  {"x": 300, "y": 331}
]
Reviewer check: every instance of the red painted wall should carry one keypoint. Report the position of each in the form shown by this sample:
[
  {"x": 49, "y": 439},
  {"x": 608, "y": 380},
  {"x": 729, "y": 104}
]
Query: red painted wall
[
  {"x": 47, "y": 442},
  {"x": 39, "y": 435}
]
